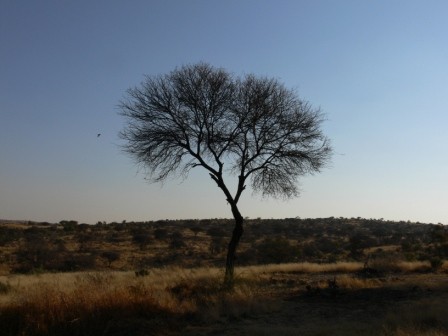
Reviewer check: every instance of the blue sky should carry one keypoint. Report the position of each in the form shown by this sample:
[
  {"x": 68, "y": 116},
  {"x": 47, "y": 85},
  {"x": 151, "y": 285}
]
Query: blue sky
[{"x": 377, "y": 69}]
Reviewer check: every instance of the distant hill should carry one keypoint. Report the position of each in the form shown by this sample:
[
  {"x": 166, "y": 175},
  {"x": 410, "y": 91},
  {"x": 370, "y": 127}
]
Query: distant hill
[{"x": 27, "y": 246}]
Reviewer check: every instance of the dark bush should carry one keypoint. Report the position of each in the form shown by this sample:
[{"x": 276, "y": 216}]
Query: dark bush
[
  {"x": 216, "y": 232},
  {"x": 69, "y": 225},
  {"x": 196, "y": 230},
  {"x": 310, "y": 251},
  {"x": 110, "y": 256},
  {"x": 160, "y": 234},
  {"x": 142, "y": 238},
  {"x": 217, "y": 245},
  {"x": 436, "y": 263},
  {"x": 277, "y": 250},
  {"x": 177, "y": 240},
  {"x": 77, "y": 262},
  {"x": 5, "y": 288}
]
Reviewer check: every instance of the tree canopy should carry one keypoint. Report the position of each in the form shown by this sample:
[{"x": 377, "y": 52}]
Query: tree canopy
[{"x": 253, "y": 127}]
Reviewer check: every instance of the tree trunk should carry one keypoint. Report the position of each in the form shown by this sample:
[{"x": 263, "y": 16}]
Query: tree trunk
[{"x": 236, "y": 236}]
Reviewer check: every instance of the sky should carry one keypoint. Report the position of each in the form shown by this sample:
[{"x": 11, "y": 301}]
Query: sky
[{"x": 378, "y": 70}]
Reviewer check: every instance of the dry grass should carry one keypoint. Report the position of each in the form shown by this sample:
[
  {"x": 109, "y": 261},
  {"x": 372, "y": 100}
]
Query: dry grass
[
  {"x": 120, "y": 303},
  {"x": 444, "y": 266},
  {"x": 393, "y": 265},
  {"x": 90, "y": 303},
  {"x": 86, "y": 304},
  {"x": 349, "y": 282},
  {"x": 414, "y": 266},
  {"x": 424, "y": 318},
  {"x": 344, "y": 267},
  {"x": 303, "y": 268}
]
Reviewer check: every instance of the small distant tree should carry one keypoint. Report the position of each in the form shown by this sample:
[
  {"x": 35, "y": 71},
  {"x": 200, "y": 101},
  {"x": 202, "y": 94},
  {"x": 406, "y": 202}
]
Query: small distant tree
[{"x": 251, "y": 127}]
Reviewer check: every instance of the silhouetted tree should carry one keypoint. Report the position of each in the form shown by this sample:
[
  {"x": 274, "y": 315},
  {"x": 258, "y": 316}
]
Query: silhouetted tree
[{"x": 252, "y": 127}]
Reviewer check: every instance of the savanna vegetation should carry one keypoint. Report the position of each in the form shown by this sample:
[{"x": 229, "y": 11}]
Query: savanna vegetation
[
  {"x": 328, "y": 276},
  {"x": 68, "y": 246}
]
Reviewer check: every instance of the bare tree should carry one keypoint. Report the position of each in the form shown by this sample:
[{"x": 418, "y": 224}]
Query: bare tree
[{"x": 250, "y": 127}]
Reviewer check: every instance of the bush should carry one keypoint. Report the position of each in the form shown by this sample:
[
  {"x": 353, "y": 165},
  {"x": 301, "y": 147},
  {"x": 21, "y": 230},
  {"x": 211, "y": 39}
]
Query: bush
[
  {"x": 196, "y": 230},
  {"x": 216, "y": 232},
  {"x": 37, "y": 253},
  {"x": 177, "y": 240},
  {"x": 5, "y": 288},
  {"x": 141, "y": 273},
  {"x": 85, "y": 240},
  {"x": 217, "y": 245},
  {"x": 160, "y": 234},
  {"x": 141, "y": 238},
  {"x": 277, "y": 250},
  {"x": 110, "y": 256},
  {"x": 78, "y": 262},
  {"x": 69, "y": 225},
  {"x": 436, "y": 263},
  {"x": 8, "y": 235},
  {"x": 248, "y": 257},
  {"x": 310, "y": 251}
]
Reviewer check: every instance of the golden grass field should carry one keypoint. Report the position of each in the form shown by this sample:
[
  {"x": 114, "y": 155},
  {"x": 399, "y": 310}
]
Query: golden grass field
[{"x": 281, "y": 299}]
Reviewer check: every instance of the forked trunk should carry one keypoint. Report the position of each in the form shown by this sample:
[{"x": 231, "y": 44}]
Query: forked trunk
[{"x": 234, "y": 241}]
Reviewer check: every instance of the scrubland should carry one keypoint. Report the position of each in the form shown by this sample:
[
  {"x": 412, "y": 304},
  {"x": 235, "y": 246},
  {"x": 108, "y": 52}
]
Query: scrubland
[{"x": 358, "y": 290}]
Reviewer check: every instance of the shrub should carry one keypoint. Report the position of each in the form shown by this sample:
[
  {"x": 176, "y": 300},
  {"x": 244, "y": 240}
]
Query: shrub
[
  {"x": 310, "y": 251},
  {"x": 196, "y": 230},
  {"x": 85, "y": 240},
  {"x": 110, "y": 256},
  {"x": 115, "y": 237},
  {"x": 142, "y": 238},
  {"x": 436, "y": 263},
  {"x": 216, "y": 232},
  {"x": 160, "y": 234},
  {"x": 276, "y": 251},
  {"x": 176, "y": 240},
  {"x": 141, "y": 273},
  {"x": 8, "y": 235},
  {"x": 76, "y": 262},
  {"x": 217, "y": 245},
  {"x": 69, "y": 225},
  {"x": 37, "y": 253},
  {"x": 5, "y": 288}
]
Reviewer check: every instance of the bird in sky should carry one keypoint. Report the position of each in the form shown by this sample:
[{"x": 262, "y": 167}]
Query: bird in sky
[{"x": 98, "y": 135}]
